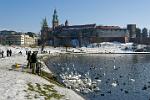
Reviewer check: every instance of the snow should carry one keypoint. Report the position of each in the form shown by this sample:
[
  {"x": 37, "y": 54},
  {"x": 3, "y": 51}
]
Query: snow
[
  {"x": 109, "y": 48},
  {"x": 14, "y": 83}
]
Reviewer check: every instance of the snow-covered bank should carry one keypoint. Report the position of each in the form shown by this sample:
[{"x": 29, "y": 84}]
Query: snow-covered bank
[
  {"x": 110, "y": 48},
  {"x": 17, "y": 85},
  {"x": 14, "y": 85}
]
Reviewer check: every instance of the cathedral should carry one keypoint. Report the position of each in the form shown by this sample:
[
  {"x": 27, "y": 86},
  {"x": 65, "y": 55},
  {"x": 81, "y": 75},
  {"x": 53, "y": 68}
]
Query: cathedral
[{"x": 80, "y": 35}]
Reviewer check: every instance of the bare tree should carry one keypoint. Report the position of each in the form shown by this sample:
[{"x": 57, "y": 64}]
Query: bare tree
[{"x": 44, "y": 33}]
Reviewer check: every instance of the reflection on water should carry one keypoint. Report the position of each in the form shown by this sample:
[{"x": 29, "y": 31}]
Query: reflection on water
[{"x": 105, "y": 76}]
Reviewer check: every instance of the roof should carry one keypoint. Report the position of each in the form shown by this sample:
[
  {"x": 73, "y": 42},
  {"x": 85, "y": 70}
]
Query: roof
[
  {"x": 108, "y": 27},
  {"x": 86, "y": 26}
]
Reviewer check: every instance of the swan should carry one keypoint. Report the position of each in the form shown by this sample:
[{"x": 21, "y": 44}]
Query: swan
[
  {"x": 114, "y": 84},
  {"x": 133, "y": 80}
]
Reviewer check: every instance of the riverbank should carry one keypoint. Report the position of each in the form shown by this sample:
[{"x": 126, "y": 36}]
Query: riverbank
[
  {"x": 107, "y": 53},
  {"x": 18, "y": 84}
]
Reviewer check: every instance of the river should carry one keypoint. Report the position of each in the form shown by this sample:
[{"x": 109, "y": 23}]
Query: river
[{"x": 115, "y": 76}]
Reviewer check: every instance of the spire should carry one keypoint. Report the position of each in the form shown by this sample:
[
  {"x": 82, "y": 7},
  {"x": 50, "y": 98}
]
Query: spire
[
  {"x": 55, "y": 11},
  {"x": 55, "y": 16},
  {"x": 44, "y": 23},
  {"x": 55, "y": 21},
  {"x": 66, "y": 23}
]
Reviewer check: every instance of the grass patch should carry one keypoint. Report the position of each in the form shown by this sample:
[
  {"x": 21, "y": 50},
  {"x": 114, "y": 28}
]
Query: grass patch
[
  {"x": 51, "y": 78},
  {"x": 47, "y": 91},
  {"x": 30, "y": 87}
]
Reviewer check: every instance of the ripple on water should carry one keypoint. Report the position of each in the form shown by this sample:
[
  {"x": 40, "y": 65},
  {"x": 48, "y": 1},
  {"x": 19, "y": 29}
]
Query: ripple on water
[{"x": 121, "y": 76}]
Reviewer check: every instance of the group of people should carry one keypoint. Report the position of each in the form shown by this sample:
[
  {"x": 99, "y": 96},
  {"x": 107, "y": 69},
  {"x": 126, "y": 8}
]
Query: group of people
[
  {"x": 33, "y": 64},
  {"x": 9, "y": 53}
]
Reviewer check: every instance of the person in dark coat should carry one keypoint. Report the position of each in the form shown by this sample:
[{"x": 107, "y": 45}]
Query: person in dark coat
[
  {"x": 7, "y": 53},
  {"x": 10, "y": 52},
  {"x": 20, "y": 52},
  {"x": 2, "y": 54},
  {"x": 38, "y": 67},
  {"x": 26, "y": 52},
  {"x": 29, "y": 59},
  {"x": 33, "y": 62}
]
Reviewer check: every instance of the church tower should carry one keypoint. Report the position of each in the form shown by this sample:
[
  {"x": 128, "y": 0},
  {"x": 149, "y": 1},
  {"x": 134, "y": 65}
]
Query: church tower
[
  {"x": 66, "y": 23},
  {"x": 44, "y": 30},
  {"x": 55, "y": 21}
]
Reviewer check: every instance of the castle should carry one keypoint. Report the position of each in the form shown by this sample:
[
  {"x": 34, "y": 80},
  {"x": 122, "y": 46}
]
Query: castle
[{"x": 80, "y": 35}]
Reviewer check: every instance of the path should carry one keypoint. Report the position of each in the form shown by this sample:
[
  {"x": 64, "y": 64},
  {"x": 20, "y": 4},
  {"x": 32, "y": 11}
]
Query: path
[{"x": 13, "y": 84}]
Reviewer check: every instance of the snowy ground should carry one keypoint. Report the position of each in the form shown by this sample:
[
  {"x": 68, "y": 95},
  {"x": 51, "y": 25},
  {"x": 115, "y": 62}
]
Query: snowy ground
[
  {"x": 17, "y": 85},
  {"x": 108, "y": 47}
]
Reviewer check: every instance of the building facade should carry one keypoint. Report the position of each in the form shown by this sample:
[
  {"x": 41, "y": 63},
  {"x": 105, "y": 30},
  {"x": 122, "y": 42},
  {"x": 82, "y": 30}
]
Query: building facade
[
  {"x": 29, "y": 41},
  {"x": 132, "y": 30},
  {"x": 112, "y": 33},
  {"x": 81, "y": 35},
  {"x": 14, "y": 38}
]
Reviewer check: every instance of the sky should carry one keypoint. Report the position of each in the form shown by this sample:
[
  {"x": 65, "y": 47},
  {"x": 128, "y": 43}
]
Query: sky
[{"x": 27, "y": 15}]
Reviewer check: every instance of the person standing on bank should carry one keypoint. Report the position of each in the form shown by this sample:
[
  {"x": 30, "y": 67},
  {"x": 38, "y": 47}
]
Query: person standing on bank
[
  {"x": 10, "y": 52},
  {"x": 29, "y": 59},
  {"x": 38, "y": 67},
  {"x": 2, "y": 54},
  {"x": 7, "y": 53},
  {"x": 27, "y": 52},
  {"x": 33, "y": 62}
]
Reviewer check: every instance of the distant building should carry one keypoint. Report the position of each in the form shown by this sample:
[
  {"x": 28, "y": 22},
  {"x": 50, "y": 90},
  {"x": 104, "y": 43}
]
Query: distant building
[
  {"x": 15, "y": 38},
  {"x": 55, "y": 21},
  {"x": 112, "y": 33},
  {"x": 4, "y": 34},
  {"x": 76, "y": 35},
  {"x": 44, "y": 31},
  {"x": 29, "y": 41},
  {"x": 132, "y": 30},
  {"x": 81, "y": 35}
]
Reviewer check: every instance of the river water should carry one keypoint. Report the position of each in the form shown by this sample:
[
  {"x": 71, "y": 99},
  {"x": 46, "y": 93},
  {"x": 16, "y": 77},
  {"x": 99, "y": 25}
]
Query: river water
[{"x": 121, "y": 76}]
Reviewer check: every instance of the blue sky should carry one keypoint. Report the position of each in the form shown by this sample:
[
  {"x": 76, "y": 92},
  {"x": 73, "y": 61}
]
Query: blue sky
[{"x": 26, "y": 15}]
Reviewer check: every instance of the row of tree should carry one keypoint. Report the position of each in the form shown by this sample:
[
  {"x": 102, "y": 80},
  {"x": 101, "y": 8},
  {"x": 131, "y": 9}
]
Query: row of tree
[{"x": 142, "y": 33}]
